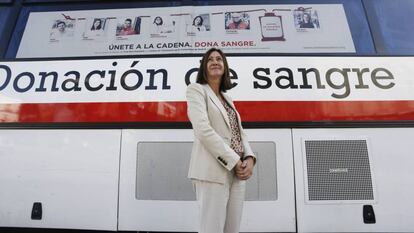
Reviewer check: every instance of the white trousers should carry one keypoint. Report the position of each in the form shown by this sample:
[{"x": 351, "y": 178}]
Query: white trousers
[{"x": 220, "y": 205}]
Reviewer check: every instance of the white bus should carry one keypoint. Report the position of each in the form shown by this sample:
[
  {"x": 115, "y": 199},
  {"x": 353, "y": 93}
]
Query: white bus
[{"x": 103, "y": 144}]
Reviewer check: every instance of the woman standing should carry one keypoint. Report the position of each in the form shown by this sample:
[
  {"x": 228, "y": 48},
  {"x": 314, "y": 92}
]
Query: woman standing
[{"x": 221, "y": 159}]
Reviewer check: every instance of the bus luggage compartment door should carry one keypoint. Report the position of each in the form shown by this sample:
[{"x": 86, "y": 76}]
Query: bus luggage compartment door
[
  {"x": 59, "y": 178},
  {"x": 354, "y": 180},
  {"x": 156, "y": 195}
]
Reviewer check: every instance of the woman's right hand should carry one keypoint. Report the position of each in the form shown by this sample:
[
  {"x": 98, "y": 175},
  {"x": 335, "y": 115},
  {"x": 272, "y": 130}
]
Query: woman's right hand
[{"x": 244, "y": 170}]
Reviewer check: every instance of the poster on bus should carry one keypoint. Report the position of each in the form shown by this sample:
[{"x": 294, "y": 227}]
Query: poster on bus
[
  {"x": 265, "y": 89},
  {"x": 317, "y": 28}
]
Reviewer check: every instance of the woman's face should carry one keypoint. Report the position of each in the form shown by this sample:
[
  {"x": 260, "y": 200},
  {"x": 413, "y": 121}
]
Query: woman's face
[
  {"x": 158, "y": 21},
  {"x": 97, "y": 23},
  {"x": 197, "y": 21},
  {"x": 215, "y": 65}
]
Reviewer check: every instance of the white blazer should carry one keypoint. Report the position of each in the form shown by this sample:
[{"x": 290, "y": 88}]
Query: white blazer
[{"x": 211, "y": 156}]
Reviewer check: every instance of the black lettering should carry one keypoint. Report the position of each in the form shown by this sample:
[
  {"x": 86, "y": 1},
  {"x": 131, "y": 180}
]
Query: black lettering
[
  {"x": 112, "y": 86},
  {"x": 289, "y": 78},
  {"x": 152, "y": 73},
  {"x": 88, "y": 77},
  {"x": 359, "y": 72},
  {"x": 375, "y": 78},
  {"x": 268, "y": 81},
  {"x": 188, "y": 75},
  {"x": 344, "y": 84},
  {"x": 30, "y": 85},
  {"x": 233, "y": 76},
  {"x": 74, "y": 81},
  {"x": 8, "y": 76},
  {"x": 137, "y": 85},
  {"x": 43, "y": 76},
  {"x": 305, "y": 79}
]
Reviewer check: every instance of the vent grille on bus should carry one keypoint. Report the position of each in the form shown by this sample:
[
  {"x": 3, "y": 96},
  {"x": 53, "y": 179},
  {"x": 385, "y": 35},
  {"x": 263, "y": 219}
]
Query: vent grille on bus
[{"x": 338, "y": 170}]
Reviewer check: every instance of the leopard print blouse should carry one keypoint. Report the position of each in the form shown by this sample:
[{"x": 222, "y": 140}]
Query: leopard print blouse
[{"x": 236, "y": 142}]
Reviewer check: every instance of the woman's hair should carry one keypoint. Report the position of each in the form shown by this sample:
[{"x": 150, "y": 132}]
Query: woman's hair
[
  {"x": 158, "y": 17},
  {"x": 201, "y": 21},
  {"x": 60, "y": 22},
  {"x": 98, "y": 27},
  {"x": 202, "y": 71}
]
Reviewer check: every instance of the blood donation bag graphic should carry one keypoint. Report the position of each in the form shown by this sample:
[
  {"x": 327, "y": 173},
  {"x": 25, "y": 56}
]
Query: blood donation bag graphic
[{"x": 271, "y": 27}]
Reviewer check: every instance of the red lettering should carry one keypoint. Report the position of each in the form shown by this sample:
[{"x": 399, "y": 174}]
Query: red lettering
[
  {"x": 206, "y": 44},
  {"x": 239, "y": 43}
]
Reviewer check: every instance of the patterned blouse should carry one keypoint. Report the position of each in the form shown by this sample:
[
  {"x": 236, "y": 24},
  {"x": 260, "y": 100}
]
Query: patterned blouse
[{"x": 236, "y": 142}]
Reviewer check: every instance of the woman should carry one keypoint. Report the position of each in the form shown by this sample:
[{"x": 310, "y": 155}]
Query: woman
[
  {"x": 198, "y": 24},
  {"x": 158, "y": 21},
  {"x": 221, "y": 159},
  {"x": 160, "y": 27},
  {"x": 97, "y": 25}
]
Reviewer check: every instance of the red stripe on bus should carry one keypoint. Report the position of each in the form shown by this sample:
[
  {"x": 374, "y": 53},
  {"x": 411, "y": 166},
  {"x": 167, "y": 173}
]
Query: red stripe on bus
[{"x": 250, "y": 111}]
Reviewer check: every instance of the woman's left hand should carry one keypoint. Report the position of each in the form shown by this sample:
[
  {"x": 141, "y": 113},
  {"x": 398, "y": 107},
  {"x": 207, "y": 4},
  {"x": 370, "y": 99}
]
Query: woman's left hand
[{"x": 246, "y": 169}]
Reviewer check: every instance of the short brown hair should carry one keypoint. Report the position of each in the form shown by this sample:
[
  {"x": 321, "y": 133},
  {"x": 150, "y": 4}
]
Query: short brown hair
[{"x": 202, "y": 71}]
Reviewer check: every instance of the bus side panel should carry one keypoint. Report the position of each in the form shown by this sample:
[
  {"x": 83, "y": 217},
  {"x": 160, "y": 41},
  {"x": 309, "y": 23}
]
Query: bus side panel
[
  {"x": 156, "y": 195},
  {"x": 72, "y": 173},
  {"x": 339, "y": 171}
]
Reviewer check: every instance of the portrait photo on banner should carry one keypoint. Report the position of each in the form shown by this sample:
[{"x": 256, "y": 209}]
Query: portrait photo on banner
[
  {"x": 62, "y": 29},
  {"x": 95, "y": 28},
  {"x": 198, "y": 24},
  {"x": 306, "y": 19},
  {"x": 237, "y": 21},
  {"x": 163, "y": 25},
  {"x": 128, "y": 26}
]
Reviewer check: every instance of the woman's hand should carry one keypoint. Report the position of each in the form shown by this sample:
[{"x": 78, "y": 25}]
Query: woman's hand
[{"x": 244, "y": 170}]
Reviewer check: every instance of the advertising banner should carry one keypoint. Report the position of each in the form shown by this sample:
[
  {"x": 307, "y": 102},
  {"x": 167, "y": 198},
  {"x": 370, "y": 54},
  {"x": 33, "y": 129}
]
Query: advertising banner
[
  {"x": 265, "y": 88},
  {"x": 318, "y": 28}
]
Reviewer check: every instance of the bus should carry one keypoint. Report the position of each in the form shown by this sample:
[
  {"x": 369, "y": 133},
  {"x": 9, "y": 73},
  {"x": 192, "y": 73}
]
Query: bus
[{"x": 94, "y": 133}]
